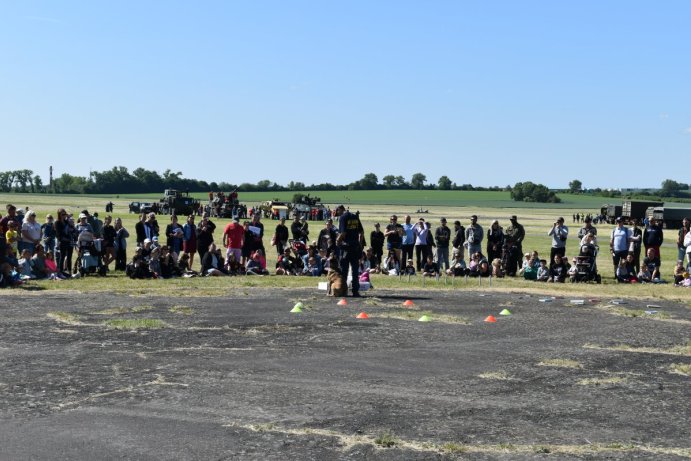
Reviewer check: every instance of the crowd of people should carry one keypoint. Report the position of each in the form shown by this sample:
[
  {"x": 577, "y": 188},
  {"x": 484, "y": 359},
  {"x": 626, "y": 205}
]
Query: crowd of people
[{"x": 66, "y": 246}]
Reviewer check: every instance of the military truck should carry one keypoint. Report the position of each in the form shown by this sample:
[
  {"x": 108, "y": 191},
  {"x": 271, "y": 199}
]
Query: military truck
[
  {"x": 178, "y": 203},
  {"x": 635, "y": 209},
  {"x": 610, "y": 212},
  {"x": 671, "y": 218}
]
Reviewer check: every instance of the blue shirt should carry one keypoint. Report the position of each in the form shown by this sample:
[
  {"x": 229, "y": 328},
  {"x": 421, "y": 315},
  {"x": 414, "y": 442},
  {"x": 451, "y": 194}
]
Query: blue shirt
[
  {"x": 408, "y": 234},
  {"x": 620, "y": 238}
]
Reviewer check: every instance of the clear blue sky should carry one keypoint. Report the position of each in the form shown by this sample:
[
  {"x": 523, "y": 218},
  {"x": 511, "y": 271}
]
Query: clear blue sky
[{"x": 487, "y": 93}]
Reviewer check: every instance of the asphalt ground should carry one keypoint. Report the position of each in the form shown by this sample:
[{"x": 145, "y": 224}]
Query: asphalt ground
[{"x": 86, "y": 377}]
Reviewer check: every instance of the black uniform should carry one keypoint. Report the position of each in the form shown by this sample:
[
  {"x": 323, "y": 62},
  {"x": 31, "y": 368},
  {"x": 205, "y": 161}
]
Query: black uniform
[{"x": 350, "y": 233}]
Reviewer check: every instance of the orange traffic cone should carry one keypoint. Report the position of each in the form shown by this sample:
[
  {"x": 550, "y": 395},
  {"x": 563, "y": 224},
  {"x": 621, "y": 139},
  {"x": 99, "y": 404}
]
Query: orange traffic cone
[
  {"x": 362, "y": 315},
  {"x": 491, "y": 319},
  {"x": 342, "y": 302},
  {"x": 408, "y": 303}
]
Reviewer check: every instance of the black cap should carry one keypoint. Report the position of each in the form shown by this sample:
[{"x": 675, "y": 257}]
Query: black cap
[
  {"x": 513, "y": 218},
  {"x": 473, "y": 216}
]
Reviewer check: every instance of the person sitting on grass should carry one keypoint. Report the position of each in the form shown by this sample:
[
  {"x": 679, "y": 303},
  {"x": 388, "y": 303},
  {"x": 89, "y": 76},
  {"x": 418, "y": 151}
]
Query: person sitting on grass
[
  {"x": 255, "y": 266},
  {"x": 479, "y": 266},
  {"x": 287, "y": 264},
  {"x": 212, "y": 262},
  {"x": 430, "y": 269},
  {"x": 312, "y": 268},
  {"x": 573, "y": 269},
  {"x": 652, "y": 261},
  {"x": 38, "y": 263},
  {"x": 543, "y": 271},
  {"x": 52, "y": 267},
  {"x": 458, "y": 267},
  {"x": 679, "y": 272},
  {"x": 24, "y": 264},
  {"x": 496, "y": 268},
  {"x": 530, "y": 268},
  {"x": 558, "y": 270},
  {"x": 409, "y": 268},
  {"x": 626, "y": 273},
  {"x": 392, "y": 265}
]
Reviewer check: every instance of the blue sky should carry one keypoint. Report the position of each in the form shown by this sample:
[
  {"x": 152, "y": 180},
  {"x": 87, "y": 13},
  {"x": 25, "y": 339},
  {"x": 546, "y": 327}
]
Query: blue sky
[{"x": 487, "y": 93}]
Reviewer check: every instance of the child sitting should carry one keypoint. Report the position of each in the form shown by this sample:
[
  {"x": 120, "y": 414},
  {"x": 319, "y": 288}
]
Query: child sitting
[
  {"x": 679, "y": 272},
  {"x": 496, "y": 268},
  {"x": 312, "y": 268},
  {"x": 430, "y": 269},
  {"x": 558, "y": 270},
  {"x": 458, "y": 268},
  {"x": 542, "y": 271},
  {"x": 409, "y": 268},
  {"x": 530, "y": 268},
  {"x": 24, "y": 264},
  {"x": 625, "y": 271}
]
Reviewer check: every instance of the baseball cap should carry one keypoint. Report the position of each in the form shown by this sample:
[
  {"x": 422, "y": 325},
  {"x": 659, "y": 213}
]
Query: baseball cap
[
  {"x": 513, "y": 218},
  {"x": 473, "y": 216},
  {"x": 442, "y": 220},
  {"x": 618, "y": 219}
]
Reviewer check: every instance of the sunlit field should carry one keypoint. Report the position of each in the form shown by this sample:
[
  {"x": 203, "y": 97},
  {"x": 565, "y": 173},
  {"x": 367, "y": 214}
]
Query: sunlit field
[{"x": 537, "y": 222}]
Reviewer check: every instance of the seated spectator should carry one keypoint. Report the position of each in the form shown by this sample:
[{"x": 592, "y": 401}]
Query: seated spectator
[
  {"x": 38, "y": 263},
  {"x": 409, "y": 268},
  {"x": 392, "y": 265},
  {"x": 644, "y": 275},
  {"x": 558, "y": 270},
  {"x": 430, "y": 269},
  {"x": 52, "y": 267},
  {"x": 233, "y": 266},
  {"x": 24, "y": 265},
  {"x": 543, "y": 271},
  {"x": 525, "y": 264},
  {"x": 652, "y": 261},
  {"x": 287, "y": 264},
  {"x": 496, "y": 268},
  {"x": 255, "y": 266},
  {"x": 212, "y": 262},
  {"x": 531, "y": 266},
  {"x": 573, "y": 269},
  {"x": 625, "y": 271},
  {"x": 312, "y": 268},
  {"x": 373, "y": 261},
  {"x": 679, "y": 271},
  {"x": 458, "y": 267},
  {"x": 138, "y": 268}
]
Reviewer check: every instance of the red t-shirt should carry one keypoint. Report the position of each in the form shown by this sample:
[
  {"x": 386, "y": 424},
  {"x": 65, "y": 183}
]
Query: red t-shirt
[{"x": 235, "y": 234}]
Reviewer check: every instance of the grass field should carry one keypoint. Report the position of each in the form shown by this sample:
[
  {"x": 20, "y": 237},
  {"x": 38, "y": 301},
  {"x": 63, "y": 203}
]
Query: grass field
[
  {"x": 415, "y": 198},
  {"x": 537, "y": 222}
]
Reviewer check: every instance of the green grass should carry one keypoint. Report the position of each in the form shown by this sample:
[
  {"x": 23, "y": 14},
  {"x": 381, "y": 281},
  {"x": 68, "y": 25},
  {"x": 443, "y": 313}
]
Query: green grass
[
  {"x": 134, "y": 324},
  {"x": 385, "y": 440}
]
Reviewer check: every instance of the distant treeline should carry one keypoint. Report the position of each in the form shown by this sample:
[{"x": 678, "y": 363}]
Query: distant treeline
[{"x": 119, "y": 180}]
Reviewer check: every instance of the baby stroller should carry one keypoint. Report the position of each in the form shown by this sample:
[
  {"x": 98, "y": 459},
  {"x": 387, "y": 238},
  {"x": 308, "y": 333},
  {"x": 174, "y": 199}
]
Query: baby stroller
[
  {"x": 89, "y": 255},
  {"x": 298, "y": 247},
  {"x": 586, "y": 266}
]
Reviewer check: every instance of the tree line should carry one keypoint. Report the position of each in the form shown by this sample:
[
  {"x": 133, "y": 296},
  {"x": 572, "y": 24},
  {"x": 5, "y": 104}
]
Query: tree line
[{"x": 119, "y": 180}]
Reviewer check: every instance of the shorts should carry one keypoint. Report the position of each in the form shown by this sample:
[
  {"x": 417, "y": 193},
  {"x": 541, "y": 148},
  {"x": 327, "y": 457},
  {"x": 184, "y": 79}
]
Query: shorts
[
  {"x": 236, "y": 251},
  {"x": 189, "y": 247},
  {"x": 393, "y": 245}
]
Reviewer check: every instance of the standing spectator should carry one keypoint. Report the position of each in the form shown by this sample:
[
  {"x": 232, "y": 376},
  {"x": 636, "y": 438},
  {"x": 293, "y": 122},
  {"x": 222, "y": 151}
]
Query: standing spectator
[
  {"x": 140, "y": 229},
  {"x": 48, "y": 235},
  {"x": 408, "y": 242},
  {"x": 513, "y": 239},
  {"x": 376, "y": 239},
  {"x": 681, "y": 247},
  {"x": 588, "y": 228},
  {"x": 619, "y": 243},
  {"x": 189, "y": 239},
  {"x": 281, "y": 236},
  {"x": 258, "y": 243},
  {"x": 233, "y": 238},
  {"x": 97, "y": 226},
  {"x": 394, "y": 236},
  {"x": 205, "y": 236},
  {"x": 559, "y": 233},
  {"x": 459, "y": 239},
  {"x": 636, "y": 244},
  {"x": 174, "y": 237},
  {"x": 495, "y": 241},
  {"x": 108, "y": 244},
  {"x": 63, "y": 236},
  {"x": 652, "y": 238},
  {"x": 442, "y": 235},
  {"x": 121, "y": 236},
  {"x": 30, "y": 233},
  {"x": 300, "y": 229},
  {"x": 327, "y": 237},
  {"x": 473, "y": 236},
  {"x": 421, "y": 246},
  {"x": 10, "y": 216}
]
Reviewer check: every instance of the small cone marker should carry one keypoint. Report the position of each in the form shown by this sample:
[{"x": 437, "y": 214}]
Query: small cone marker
[
  {"x": 298, "y": 305},
  {"x": 362, "y": 315},
  {"x": 343, "y": 302},
  {"x": 505, "y": 312},
  {"x": 491, "y": 319},
  {"x": 425, "y": 318},
  {"x": 296, "y": 309},
  {"x": 408, "y": 303}
]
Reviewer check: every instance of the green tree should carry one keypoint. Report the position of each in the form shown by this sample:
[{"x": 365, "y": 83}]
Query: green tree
[
  {"x": 444, "y": 183},
  {"x": 418, "y": 181},
  {"x": 575, "y": 186},
  {"x": 671, "y": 188},
  {"x": 531, "y": 192},
  {"x": 389, "y": 181}
]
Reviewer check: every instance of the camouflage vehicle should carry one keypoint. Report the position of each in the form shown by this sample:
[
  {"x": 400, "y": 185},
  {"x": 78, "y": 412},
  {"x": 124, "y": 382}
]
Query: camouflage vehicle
[{"x": 177, "y": 203}]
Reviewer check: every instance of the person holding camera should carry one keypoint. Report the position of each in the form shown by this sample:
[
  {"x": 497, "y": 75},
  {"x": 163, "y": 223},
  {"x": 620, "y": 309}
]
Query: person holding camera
[
  {"x": 474, "y": 234},
  {"x": 559, "y": 233}
]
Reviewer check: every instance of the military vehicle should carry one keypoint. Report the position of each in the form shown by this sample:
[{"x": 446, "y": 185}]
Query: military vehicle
[
  {"x": 610, "y": 212},
  {"x": 178, "y": 203},
  {"x": 671, "y": 218},
  {"x": 635, "y": 209}
]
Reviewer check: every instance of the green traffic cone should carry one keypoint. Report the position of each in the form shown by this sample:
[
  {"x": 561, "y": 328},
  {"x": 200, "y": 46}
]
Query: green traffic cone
[
  {"x": 505, "y": 312},
  {"x": 425, "y": 318},
  {"x": 298, "y": 305},
  {"x": 296, "y": 309}
]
